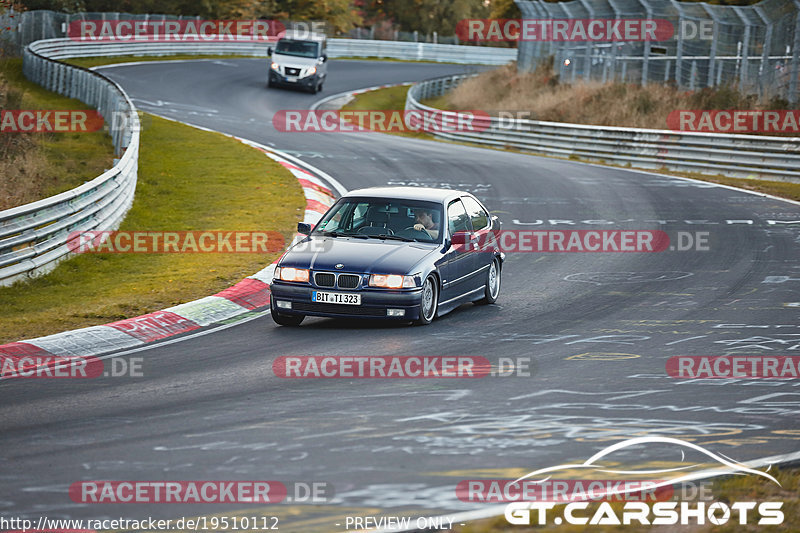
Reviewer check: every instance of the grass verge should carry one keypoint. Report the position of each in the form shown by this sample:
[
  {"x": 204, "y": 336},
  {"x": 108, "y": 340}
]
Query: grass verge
[
  {"x": 89, "y": 62},
  {"x": 728, "y": 490},
  {"x": 395, "y": 97},
  {"x": 390, "y": 98},
  {"x": 37, "y": 165},
  {"x": 188, "y": 180}
]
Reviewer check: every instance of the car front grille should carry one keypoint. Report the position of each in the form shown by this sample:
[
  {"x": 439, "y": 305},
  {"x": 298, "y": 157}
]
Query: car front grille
[
  {"x": 342, "y": 281},
  {"x": 292, "y": 71},
  {"x": 338, "y": 309},
  {"x": 348, "y": 281},
  {"x": 324, "y": 279}
]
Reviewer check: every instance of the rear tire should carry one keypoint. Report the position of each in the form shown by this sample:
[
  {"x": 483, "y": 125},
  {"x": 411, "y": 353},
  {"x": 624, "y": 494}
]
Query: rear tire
[
  {"x": 285, "y": 320},
  {"x": 492, "y": 290},
  {"x": 428, "y": 301}
]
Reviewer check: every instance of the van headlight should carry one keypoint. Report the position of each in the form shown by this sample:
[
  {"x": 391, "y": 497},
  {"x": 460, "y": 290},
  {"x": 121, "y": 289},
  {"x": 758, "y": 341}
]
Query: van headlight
[
  {"x": 311, "y": 71},
  {"x": 274, "y": 66}
]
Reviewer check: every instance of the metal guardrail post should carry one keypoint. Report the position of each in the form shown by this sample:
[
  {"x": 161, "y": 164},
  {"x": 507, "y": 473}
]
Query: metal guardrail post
[{"x": 749, "y": 156}]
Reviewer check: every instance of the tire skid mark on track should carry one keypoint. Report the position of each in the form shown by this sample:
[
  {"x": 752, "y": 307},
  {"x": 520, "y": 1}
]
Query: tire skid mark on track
[{"x": 250, "y": 294}]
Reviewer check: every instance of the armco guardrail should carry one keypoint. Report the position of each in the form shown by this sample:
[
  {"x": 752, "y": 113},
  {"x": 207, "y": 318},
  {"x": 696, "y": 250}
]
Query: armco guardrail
[
  {"x": 449, "y": 53},
  {"x": 744, "y": 156},
  {"x": 34, "y": 237}
]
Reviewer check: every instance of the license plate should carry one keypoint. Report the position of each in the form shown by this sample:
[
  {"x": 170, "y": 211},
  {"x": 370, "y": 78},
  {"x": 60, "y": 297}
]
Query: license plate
[
  {"x": 335, "y": 298},
  {"x": 291, "y": 79}
]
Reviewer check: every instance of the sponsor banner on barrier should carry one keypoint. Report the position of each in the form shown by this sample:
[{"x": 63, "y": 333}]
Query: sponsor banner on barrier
[
  {"x": 377, "y": 366},
  {"x": 164, "y": 242},
  {"x": 735, "y": 120},
  {"x": 380, "y": 120},
  {"x": 561, "y": 30},
  {"x": 734, "y": 367},
  {"x": 175, "y": 30},
  {"x": 48, "y": 120}
]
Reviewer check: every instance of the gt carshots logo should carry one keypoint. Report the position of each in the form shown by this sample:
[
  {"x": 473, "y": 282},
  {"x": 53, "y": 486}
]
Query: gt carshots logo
[
  {"x": 640, "y": 511},
  {"x": 379, "y": 120},
  {"x": 664, "y": 513}
]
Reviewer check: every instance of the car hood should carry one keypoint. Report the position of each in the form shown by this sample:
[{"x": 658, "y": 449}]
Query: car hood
[
  {"x": 294, "y": 61},
  {"x": 357, "y": 255}
]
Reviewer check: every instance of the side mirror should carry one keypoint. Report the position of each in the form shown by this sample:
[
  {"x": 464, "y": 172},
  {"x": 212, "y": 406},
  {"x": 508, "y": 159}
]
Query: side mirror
[
  {"x": 304, "y": 228},
  {"x": 269, "y": 51},
  {"x": 324, "y": 57}
]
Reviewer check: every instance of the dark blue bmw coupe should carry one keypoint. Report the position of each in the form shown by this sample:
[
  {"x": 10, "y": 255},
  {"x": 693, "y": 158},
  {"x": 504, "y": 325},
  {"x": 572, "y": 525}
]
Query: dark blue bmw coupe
[{"x": 389, "y": 252}]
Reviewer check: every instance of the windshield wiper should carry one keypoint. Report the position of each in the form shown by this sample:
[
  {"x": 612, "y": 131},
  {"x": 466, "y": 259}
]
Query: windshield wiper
[
  {"x": 337, "y": 234},
  {"x": 391, "y": 237}
]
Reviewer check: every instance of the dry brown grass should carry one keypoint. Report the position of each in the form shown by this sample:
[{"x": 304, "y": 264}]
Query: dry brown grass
[
  {"x": 37, "y": 165},
  {"x": 611, "y": 104}
]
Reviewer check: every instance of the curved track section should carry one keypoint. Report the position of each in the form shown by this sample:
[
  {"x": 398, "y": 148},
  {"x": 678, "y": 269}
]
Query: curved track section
[{"x": 598, "y": 329}]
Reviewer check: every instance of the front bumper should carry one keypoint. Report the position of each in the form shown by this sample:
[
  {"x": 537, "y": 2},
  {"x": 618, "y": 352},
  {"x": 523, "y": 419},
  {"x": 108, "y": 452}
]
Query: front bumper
[
  {"x": 276, "y": 78},
  {"x": 374, "y": 302}
]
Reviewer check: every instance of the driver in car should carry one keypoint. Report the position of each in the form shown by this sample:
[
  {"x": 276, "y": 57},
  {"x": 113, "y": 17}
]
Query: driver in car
[{"x": 423, "y": 221}]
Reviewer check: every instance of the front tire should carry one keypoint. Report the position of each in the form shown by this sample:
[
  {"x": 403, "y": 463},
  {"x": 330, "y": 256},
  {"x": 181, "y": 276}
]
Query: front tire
[
  {"x": 492, "y": 290},
  {"x": 428, "y": 301},
  {"x": 285, "y": 320}
]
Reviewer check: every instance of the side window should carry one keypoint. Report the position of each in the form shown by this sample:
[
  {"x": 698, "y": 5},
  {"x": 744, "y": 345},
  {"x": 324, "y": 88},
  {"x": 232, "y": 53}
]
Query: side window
[
  {"x": 478, "y": 215},
  {"x": 359, "y": 215},
  {"x": 457, "y": 218}
]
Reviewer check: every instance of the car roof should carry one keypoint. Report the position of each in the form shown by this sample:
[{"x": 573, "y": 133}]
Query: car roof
[
  {"x": 408, "y": 193},
  {"x": 299, "y": 35}
]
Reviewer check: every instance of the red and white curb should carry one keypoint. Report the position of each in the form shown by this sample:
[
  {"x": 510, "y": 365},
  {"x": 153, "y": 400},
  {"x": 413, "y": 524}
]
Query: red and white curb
[{"x": 248, "y": 295}]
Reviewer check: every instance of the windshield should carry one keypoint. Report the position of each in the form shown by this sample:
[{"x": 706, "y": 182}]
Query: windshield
[
  {"x": 381, "y": 217},
  {"x": 297, "y": 48}
]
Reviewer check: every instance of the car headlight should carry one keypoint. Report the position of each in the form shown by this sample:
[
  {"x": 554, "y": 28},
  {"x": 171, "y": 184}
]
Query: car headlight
[
  {"x": 274, "y": 66},
  {"x": 391, "y": 281},
  {"x": 291, "y": 274},
  {"x": 311, "y": 71}
]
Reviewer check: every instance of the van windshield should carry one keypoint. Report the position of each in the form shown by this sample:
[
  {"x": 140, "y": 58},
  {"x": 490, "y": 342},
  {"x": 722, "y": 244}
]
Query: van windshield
[{"x": 297, "y": 48}]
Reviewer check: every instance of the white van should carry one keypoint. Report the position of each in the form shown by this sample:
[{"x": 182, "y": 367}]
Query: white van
[{"x": 299, "y": 60}]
